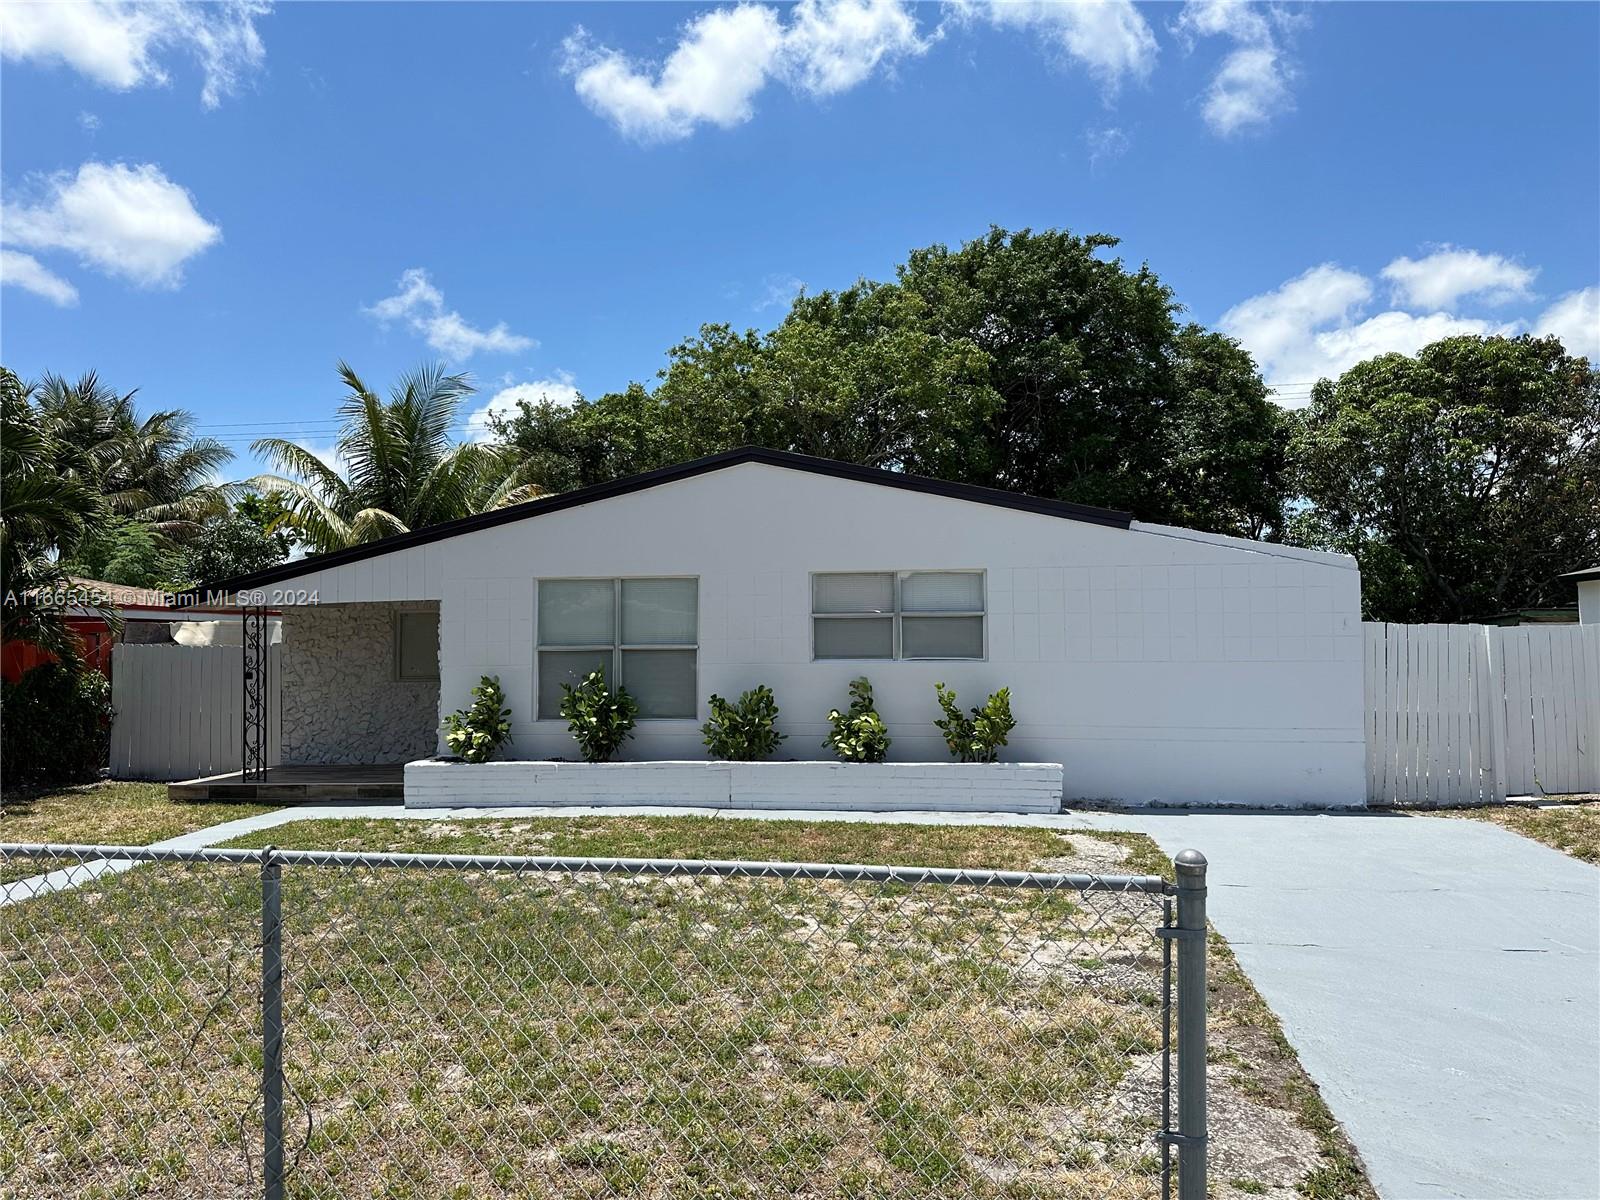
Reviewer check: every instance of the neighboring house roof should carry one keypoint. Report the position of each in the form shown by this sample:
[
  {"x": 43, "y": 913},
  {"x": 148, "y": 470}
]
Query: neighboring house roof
[
  {"x": 1534, "y": 616},
  {"x": 649, "y": 479},
  {"x": 1581, "y": 576},
  {"x": 132, "y": 599}
]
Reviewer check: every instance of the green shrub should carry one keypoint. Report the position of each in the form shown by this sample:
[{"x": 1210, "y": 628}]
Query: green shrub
[
  {"x": 746, "y": 731},
  {"x": 859, "y": 735},
  {"x": 977, "y": 738},
  {"x": 600, "y": 717},
  {"x": 476, "y": 733},
  {"x": 55, "y": 726}
]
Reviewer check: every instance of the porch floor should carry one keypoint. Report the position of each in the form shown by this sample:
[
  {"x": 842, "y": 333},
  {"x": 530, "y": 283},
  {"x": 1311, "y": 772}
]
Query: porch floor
[{"x": 286, "y": 785}]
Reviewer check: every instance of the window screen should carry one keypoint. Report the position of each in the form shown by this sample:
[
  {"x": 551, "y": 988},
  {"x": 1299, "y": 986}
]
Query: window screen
[
  {"x": 416, "y": 646},
  {"x": 642, "y": 633},
  {"x": 910, "y": 614},
  {"x": 659, "y": 612},
  {"x": 577, "y": 612},
  {"x": 852, "y": 593}
]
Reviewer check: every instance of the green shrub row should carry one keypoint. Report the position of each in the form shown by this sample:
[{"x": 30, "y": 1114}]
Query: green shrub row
[{"x": 601, "y": 718}]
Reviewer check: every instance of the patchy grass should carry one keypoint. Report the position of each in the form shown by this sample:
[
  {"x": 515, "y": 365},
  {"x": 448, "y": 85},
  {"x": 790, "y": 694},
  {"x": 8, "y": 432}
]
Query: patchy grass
[
  {"x": 474, "y": 1033},
  {"x": 1573, "y": 828},
  {"x": 113, "y": 814}
]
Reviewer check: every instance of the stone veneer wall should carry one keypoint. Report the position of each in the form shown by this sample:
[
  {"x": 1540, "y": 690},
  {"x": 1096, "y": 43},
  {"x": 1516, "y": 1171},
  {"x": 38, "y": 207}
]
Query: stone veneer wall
[{"x": 341, "y": 701}]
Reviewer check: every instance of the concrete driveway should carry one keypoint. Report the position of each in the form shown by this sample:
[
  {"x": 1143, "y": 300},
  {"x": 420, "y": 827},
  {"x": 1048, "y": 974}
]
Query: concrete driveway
[{"x": 1440, "y": 980}]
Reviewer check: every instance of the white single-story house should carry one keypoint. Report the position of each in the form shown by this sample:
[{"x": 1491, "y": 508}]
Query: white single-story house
[{"x": 1156, "y": 664}]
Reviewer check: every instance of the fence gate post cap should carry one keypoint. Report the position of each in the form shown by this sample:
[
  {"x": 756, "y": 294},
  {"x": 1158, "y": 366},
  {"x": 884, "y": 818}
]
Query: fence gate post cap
[{"x": 1190, "y": 862}]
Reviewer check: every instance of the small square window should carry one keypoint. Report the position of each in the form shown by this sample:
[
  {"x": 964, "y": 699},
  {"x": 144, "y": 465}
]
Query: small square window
[{"x": 416, "y": 647}]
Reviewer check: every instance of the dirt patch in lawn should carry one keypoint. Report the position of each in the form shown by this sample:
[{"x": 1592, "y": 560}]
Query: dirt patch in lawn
[{"x": 475, "y": 1033}]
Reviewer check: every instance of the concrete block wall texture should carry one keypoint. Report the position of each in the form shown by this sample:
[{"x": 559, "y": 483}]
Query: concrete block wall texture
[
  {"x": 1159, "y": 665},
  {"x": 877, "y": 787},
  {"x": 341, "y": 700}
]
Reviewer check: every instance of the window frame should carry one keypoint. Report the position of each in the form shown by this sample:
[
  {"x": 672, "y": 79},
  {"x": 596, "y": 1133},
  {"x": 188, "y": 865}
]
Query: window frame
[
  {"x": 617, "y": 647},
  {"x": 898, "y": 612},
  {"x": 398, "y": 670}
]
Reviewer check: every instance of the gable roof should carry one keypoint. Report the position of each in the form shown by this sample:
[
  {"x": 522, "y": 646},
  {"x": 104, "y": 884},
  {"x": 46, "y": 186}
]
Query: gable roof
[{"x": 1065, "y": 509}]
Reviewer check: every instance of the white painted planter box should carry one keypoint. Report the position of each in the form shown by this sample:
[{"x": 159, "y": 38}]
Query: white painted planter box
[{"x": 866, "y": 787}]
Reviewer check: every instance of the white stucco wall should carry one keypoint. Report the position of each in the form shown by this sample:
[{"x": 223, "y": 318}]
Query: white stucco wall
[
  {"x": 1589, "y": 602},
  {"x": 341, "y": 700},
  {"x": 1158, "y": 665}
]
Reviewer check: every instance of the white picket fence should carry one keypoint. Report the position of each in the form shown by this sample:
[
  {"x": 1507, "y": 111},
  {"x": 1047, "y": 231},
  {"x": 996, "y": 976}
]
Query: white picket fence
[
  {"x": 1465, "y": 714},
  {"x": 179, "y": 708}
]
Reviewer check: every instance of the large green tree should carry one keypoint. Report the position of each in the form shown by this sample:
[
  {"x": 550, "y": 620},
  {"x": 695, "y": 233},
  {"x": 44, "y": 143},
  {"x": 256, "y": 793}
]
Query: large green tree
[
  {"x": 253, "y": 535},
  {"x": 402, "y": 470},
  {"x": 1033, "y": 362},
  {"x": 1464, "y": 479}
]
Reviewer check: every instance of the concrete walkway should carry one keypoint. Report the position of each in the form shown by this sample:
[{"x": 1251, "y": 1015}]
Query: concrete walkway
[{"x": 1439, "y": 978}]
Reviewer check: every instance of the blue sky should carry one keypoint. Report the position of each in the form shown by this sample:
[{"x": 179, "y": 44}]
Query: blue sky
[{"x": 214, "y": 204}]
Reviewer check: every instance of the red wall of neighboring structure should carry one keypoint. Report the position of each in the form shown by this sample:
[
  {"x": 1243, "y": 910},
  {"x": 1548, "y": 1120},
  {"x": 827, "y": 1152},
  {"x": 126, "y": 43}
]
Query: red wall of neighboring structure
[{"x": 19, "y": 657}]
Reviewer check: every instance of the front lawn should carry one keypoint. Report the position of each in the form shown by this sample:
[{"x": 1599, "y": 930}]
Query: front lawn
[
  {"x": 111, "y": 814},
  {"x": 1572, "y": 828},
  {"x": 465, "y": 1034}
]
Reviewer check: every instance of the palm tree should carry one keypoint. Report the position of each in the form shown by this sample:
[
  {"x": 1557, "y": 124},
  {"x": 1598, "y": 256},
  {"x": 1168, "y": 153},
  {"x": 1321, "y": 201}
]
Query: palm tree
[
  {"x": 152, "y": 470},
  {"x": 43, "y": 507},
  {"x": 401, "y": 470}
]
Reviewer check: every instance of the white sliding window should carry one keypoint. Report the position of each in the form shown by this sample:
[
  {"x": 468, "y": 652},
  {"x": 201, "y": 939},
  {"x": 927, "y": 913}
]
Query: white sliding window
[
  {"x": 643, "y": 633},
  {"x": 905, "y": 614}
]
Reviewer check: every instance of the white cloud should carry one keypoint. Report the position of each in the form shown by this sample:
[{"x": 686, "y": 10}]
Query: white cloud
[
  {"x": 1450, "y": 274},
  {"x": 29, "y": 274},
  {"x": 1105, "y": 145},
  {"x": 120, "y": 43},
  {"x": 1312, "y": 327},
  {"x": 421, "y": 306},
  {"x": 561, "y": 391},
  {"x": 1575, "y": 319},
  {"x": 722, "y": 61},
  {"x": 127, "y": 221},
  {"x": 1107, "y": 37},
  {"x": 832, "y": 45},
  {"x": 726, "y": 56},
  {"x": 88, "y": 122},
  {"x": 1252, "y": 86},
  {"x": 778, "y": 291}
]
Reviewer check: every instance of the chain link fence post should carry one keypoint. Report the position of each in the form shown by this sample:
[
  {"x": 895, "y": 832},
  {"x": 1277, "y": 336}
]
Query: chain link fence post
[
  {"x": 1190, "y": 867},
  {"x": 272, "y": 1024}
]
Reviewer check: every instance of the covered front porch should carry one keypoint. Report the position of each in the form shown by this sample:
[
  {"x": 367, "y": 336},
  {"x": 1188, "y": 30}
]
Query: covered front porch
[
  {"x": 293, "y": 784},
  {"x": 330, "y": 713}
]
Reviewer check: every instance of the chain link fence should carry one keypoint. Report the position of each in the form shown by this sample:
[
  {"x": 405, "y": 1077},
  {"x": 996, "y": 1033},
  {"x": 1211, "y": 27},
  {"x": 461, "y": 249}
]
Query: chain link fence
[{"x": 242, "y": 1023}]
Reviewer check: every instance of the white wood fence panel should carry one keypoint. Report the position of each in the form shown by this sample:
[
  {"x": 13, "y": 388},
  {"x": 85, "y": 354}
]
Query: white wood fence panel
[
  {"x": 179, "y": 710},
  {"x": 1464, "y": 714}
]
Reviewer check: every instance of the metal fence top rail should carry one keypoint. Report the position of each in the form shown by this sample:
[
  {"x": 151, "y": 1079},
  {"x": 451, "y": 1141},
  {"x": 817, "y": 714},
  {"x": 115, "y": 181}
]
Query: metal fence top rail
[{"x": 524, "y": 864}]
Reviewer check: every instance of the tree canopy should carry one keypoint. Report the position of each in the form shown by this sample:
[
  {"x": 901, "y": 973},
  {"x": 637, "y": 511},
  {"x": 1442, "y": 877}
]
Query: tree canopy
[
  {"x": 402, "y": 471},
  {"x": 43, "y": 507},
  {"x": 1028, "y": 361},
  {"x": 1465, "y": 479},
  {"x": 152, "y": 469}
]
